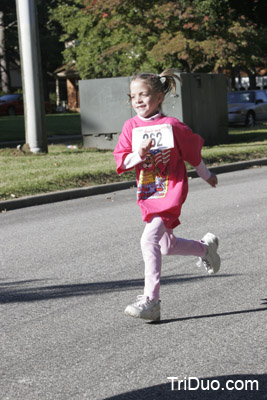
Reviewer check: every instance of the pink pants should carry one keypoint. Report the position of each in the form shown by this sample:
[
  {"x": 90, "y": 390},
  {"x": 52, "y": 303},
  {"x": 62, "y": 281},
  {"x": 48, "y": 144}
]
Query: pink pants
[{"x": 157, "y": 240}]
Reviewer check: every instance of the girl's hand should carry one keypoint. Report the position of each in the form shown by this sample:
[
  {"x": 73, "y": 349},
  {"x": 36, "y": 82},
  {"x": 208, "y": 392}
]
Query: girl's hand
[
  {"x": 145, "y": 147},
  {"x": 213, "y": 181}
]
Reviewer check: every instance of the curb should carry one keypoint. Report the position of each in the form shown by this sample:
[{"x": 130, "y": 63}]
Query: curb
[
  {"x": 63, "y": 195},
  {"x": 71, "y": 194}
]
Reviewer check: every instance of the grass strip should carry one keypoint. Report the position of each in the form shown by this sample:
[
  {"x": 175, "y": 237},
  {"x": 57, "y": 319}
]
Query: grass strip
[
  {"x": 23, "y": 173},
  {"x": 12, "y": 128}
]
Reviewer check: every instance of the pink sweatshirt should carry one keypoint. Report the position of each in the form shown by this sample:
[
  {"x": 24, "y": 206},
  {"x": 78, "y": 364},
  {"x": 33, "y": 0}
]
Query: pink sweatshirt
[{"x": 162, "y": 183}]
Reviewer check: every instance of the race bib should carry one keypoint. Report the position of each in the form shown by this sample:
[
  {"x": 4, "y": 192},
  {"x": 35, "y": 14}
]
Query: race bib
[{"x": 161, "y": 135}]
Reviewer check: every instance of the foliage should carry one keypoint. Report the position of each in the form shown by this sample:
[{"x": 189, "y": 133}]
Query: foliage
[
  {"x": 49, "y": 32},
  {"x": 120, "y": 37},
  {"x": 10, "y": 34},
  {"x": 108, "y": 38}
]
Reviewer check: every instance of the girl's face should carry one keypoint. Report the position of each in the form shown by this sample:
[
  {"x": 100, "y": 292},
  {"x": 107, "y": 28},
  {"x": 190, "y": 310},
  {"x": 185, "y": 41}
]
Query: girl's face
[{"x": 145, "y": 102}]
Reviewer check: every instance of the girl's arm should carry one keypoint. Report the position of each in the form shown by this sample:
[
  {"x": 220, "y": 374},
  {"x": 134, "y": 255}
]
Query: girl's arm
[
  {"x": 125, "y": 158},
  {"x": 123, "y": 148},
  {"x": 136, "y": 157},
  {"x": 205, "y": 174},
  {"x": 131, "y": 160}
]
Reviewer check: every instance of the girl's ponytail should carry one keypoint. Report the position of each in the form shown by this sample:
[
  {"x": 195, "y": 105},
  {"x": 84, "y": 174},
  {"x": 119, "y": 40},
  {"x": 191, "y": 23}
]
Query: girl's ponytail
[
  {"x": 164, "y": 83},
  {"x": 167, "y": 78}
]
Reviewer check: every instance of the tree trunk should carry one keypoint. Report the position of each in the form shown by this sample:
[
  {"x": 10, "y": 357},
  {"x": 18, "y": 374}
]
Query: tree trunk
[
  {"x": 252, "y": 80},
  {"x": 3, "y": 68}
]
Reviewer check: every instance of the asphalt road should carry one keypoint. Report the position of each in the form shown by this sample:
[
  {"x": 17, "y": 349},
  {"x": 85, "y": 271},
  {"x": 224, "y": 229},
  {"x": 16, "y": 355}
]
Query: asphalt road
[{"x": 69, "y": 269}]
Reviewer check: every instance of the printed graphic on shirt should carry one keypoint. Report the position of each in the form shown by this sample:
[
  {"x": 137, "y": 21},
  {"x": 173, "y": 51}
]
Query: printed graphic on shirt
[
  {"x": 161, "y": 135},
  {"x": 153, "y": 178}
]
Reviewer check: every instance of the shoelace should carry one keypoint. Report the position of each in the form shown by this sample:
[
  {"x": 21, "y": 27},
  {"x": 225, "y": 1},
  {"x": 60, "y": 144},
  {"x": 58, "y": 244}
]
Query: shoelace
[
  {"x": 202, "y": 262},
  {"x": 141, "y": 299}
]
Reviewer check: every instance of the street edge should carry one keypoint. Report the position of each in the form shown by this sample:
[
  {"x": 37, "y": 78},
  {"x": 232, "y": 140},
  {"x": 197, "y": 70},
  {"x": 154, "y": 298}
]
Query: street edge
[{"x": 71, "y": 194}]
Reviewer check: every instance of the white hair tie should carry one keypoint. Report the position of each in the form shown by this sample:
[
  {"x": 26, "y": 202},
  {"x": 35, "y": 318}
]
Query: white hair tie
[{"x": 163, "y": 79}]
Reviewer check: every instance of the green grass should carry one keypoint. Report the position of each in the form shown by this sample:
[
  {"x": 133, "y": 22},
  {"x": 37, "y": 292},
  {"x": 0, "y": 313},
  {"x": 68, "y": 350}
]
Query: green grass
[
  {"x": 23, "y": 173},
  {"x": 12, "y": 128},
  {"x": 242, "y": 144}
]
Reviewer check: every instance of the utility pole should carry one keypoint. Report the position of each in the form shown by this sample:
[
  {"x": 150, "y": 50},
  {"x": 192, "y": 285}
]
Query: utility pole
[{"x": 34, "y": 108}]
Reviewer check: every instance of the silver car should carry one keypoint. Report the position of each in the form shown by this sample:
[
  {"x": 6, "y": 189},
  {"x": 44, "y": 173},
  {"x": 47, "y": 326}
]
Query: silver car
[{"x": 247, "y": 107}]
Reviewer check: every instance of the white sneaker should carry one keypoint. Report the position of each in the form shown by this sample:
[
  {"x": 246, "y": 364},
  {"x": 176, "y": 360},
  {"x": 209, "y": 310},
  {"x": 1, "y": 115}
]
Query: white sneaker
[
  {"x": 211, "y": 260},
  {"x": 144, "y": 308}
]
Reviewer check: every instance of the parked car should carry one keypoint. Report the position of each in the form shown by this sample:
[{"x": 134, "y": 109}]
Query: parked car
[
  {"x": 12, "y": 104},
  {"x": 247, "y": 107}
]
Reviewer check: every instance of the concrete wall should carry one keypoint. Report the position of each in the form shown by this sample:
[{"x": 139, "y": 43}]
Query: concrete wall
[{"x": 200, "y": 102}]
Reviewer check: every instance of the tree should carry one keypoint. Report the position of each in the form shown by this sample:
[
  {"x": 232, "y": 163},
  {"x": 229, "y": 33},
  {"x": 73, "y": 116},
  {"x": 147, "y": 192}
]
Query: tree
[
  {"x": 211, "y": 37},
  {"x": 120, "y": 37},
  {"x": 109, "y": 37},
  {"x": 49, "y": 30},
  {"x": 255, "y": 57},
  {"x": 9, "y": 42},
  {"x": 3, "y": 70},
  {"x": 50, "y": 45}
]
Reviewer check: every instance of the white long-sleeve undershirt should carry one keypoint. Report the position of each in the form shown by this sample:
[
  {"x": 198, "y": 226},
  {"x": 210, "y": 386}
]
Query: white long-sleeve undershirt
[
  {"x": 203, "y": 171},
  {"x": 133, "y": 159}
]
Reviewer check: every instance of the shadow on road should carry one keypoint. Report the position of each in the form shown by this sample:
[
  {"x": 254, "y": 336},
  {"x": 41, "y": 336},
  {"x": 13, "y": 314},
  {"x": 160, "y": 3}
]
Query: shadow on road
[
  {"x": 234, "y": 387},
  {"x": 21, "y": 291},
  {"x": 251, "y": 310}
]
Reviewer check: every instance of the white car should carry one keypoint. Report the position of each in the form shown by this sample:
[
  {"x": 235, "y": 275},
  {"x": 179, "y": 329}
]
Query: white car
[{"x": 247, "y": 107}]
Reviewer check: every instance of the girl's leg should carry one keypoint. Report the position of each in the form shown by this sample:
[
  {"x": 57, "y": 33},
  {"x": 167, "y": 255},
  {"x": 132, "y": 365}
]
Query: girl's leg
[
  {"x": 153, "y": 232},
  {"x": 171, "y": 245},
  {"x": 206, "y": 249}
]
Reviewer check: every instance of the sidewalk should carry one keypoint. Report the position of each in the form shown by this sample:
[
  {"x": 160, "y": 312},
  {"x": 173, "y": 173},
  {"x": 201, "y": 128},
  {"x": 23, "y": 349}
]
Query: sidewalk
[{"x": 53, "y": 197}]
